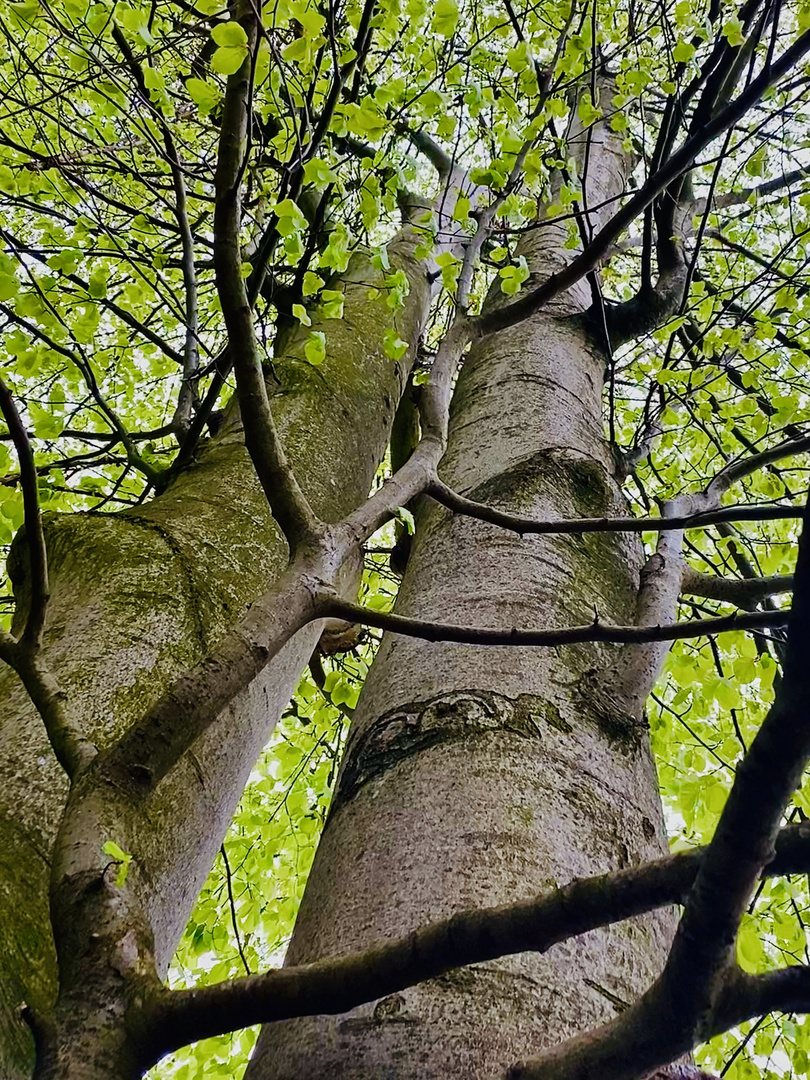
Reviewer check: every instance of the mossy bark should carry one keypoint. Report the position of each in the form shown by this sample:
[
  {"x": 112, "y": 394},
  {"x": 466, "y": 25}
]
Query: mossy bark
[
  {"x": 140, "y": 596},
  {"x": 477, "y": 776}
]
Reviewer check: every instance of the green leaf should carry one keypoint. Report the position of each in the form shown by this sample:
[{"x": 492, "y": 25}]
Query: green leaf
[
  {"x": 393, "y": 345},
  {"x": 315, "y": 348},
  {"x": 445, "y": 17},
  {"x": 683, "y": 52},
  {"x": 296, "y": 51},
  {"x": 332, "y": 301},
  {"x": 403, "y": 514},
  {"x": 316, "y": 171},
  {"x": 97, "y": 285},
  {"x": 290, "y": 218},
  {"x": 227, "y": 61},
  {"x": 300, "y": 313},
  {"x": 751, "y": 956},
  {"x": 513, "y": 276},
  {"x": 461, "y": 211},
  {"x": 311, "y": 283},
  {"x": 398, "y": 287},
  {"x": 123, "y": 858},
  {"x": 230, "y": 35},
  {"x": 205, "y": 96},
  {"x": 7, "y": 182},
  {"x": 733, "y": 32},
  {"x": 450, "y": 267}
]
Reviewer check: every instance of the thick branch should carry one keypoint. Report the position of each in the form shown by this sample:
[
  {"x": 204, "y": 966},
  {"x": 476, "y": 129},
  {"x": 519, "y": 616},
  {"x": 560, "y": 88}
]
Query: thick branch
[
  {"x": 149, "y": 749},
  {"x": 338, "y": 984},
  {"x": 653, "y": 305},
  {"x": 73, "y": 751},
  {"x": 287, "y": 501},
  {"x": 744, "y": 592}
]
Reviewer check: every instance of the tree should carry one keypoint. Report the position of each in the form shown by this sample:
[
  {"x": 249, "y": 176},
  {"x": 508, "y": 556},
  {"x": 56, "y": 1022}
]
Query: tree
[{"x": 316, "y": 199}]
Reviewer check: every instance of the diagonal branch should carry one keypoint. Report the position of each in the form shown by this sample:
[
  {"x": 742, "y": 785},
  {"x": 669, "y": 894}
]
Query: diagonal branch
[
  {"x": 699, "y": 988},
  {"x": 679, "y": 163},
  {"x": 338, "y": 984},
  {"x": 152, "y": 746},
  {"x": 287, "y": 501},
  {"x": 72, "y": 750}
]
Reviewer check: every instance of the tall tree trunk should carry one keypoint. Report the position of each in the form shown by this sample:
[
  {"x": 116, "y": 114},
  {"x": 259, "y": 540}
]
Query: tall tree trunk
[
  {"x": 479, "y": 776},
  {"x": 139, "y": 596}
]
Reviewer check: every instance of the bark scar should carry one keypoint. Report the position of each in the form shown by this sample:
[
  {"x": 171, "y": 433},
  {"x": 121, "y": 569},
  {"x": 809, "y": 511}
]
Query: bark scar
[{"x": 418, "y": 726}]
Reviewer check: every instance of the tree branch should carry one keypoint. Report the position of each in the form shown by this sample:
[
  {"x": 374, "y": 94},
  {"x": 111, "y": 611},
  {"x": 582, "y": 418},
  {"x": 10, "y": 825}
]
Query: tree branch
[
  {"x": 72, "y": 750},
  {"x": 338, "y": 984},
  {"x": 572, "y": 635},
  {"x": 151, "y": 747},
  {"x": 187, "y": 397},
  {"x": 34, "y": 536},
  {"x": 287, "y": 501},
  {"x": 744, "y": 592},
  {"x": 439, "y": 491},
  {"x": 698, "y": 991},
  {"x": 674, "y": 167}
]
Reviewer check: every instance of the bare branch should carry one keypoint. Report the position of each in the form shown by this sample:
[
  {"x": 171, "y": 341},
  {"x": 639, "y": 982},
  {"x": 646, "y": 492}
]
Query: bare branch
[
  {"x": 338, "y": 984},
  {"x": 770, "y": 187},
  {"x": 287, "y": 501},
  {"x": 34, "y": 536},
  {"x": 72, "y": 750},
  {"x": 698, "y": 992},
  {"x": 439, "y": 491},
  {"x": 677, "y": 164},
  {"x": 420, "y": 470},
  {"x": 429, "y": 148},
  {"x": 738, "y": 470},
  {"x": 187, "y": 398},
  {"x": 744, "y": 592},
  {"x": 572, "y": 635}
]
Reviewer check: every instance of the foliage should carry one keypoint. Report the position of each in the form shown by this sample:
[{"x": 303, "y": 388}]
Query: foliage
[{"x": 113, "y": 333}]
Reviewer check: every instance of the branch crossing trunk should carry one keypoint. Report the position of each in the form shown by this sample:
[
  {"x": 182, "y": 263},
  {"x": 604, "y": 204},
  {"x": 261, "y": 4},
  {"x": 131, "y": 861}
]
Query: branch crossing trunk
[{"x": 475, "y": 777}]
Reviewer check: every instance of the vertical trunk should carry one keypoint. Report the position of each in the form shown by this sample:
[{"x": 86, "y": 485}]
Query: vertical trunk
[
  {"x": 138, "y": 597},
  {"x": 478, "y": 776}
]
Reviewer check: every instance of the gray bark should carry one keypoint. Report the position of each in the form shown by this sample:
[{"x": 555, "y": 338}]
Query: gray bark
[
  {"x": 479, "y": 776},
  {"x": 140, "y": 596}
]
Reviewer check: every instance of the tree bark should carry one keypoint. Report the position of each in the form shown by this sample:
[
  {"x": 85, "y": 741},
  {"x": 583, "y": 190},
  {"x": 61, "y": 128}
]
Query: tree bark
[
  {"x": 474, "y": 776},
  {"x": 140, "y": 596}
]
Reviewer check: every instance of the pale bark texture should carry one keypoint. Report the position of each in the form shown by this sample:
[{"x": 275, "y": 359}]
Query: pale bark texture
[
  {"x": 140, "y": 596},
  {"x": 479, "y": 776}
]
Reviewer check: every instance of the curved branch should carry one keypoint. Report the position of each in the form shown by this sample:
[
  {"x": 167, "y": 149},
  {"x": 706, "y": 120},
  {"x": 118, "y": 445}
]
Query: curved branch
[
  {"x": 441, "y": 493},
  {"x": 34, "y": 536},
  {"x": 341, "y": 983},
  {"x": 675, "y": 166},
  {"x": 571, "y": 635},
  {"x": 288, "y": 503}
]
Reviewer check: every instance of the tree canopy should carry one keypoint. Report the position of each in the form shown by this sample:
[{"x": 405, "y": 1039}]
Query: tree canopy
[{"x": 159, "y": 230}]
